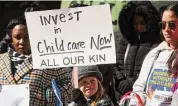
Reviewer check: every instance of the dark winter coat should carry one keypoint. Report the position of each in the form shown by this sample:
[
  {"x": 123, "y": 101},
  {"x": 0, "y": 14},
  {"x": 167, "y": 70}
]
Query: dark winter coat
[
  {"x": 104, "y": 101},
  {"x": 107, "y": 73},
  {"x": 140, "y": 44}
]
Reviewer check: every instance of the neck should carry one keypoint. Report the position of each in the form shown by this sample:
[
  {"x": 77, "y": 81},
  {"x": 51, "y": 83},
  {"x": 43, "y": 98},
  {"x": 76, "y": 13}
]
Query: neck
[
  {"x": 91, "y": 97},
  {"x": 173, "y": 46}
]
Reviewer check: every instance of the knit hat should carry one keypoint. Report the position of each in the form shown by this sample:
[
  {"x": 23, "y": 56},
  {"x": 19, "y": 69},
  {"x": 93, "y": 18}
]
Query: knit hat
[{"x": 85, "y": 71}]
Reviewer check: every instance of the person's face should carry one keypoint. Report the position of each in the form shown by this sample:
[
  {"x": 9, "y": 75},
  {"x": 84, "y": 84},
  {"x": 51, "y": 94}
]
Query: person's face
[
  {"x": 170, "y": 34},
  {"x": 139, "y": 24},
  {"x": 89, "y": 86},
  {"x": 20, "y": 39}
]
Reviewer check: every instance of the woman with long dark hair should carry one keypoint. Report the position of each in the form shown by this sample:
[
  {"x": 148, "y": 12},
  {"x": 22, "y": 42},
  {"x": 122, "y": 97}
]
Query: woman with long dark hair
[
  {"x": 138, "y": 22},
  {"x": 157, "y": 77}
]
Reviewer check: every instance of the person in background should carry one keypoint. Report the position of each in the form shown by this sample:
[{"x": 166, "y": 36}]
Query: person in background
[
  {"x": 138, "y": 22},
  {"x": 16, "y": 68},
  {"x": 91, "y": 91},
  {"x": 154, "y": 79},
  {"x": 4, "y": 44}
]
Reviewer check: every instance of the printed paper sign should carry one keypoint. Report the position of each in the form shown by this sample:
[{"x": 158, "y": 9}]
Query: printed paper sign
[
  {"x": 71, "y": 37},
  {"x": 14, "y": 95}
]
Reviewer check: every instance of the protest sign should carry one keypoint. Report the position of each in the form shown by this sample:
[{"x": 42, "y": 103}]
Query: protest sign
[
  {"x": 14, "y": 95},
  {"x": 71, "y": 37}
]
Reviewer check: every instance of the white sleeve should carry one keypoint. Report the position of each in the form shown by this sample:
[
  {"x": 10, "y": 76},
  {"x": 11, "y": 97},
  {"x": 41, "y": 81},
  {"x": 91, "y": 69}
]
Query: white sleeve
[{"x": 140, "y": 83}]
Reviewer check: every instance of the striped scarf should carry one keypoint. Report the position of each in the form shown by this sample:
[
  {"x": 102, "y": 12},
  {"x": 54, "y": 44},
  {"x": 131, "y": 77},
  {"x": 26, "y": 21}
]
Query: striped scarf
[{"x": 17, "y": 59}]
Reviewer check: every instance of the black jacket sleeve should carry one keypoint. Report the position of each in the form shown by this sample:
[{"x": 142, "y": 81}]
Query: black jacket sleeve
[{"x": 123, "y": 83}]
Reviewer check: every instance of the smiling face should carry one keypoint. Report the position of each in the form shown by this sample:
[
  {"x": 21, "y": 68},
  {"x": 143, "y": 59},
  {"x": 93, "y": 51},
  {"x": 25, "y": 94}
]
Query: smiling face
[
  {"x": 20, "y": 39},
  {"x": 89, "y": 86},
  {"x": 170, "y": 35}
]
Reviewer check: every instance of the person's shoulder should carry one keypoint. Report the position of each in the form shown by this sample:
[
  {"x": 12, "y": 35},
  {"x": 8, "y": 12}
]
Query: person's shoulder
[
  {"x": 159, "y": 47},
  {"x": 4, "y": 58},
  {"x": 155, "y": 44},
  {"x": 154, "y": 51},
  {"x": 2, "y": 55},
  {"x": 119, "y": 38}
]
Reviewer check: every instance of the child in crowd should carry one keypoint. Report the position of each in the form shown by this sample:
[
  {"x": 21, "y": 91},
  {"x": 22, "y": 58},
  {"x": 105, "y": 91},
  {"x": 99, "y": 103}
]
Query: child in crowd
[{"x": 91, "y": 89}]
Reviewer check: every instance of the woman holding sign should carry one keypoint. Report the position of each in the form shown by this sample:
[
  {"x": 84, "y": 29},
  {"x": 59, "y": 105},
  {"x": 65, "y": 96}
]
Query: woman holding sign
[{"x": 16, "y": 68}]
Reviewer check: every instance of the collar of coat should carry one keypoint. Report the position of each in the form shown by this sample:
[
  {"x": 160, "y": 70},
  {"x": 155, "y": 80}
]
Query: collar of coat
[{"x": 6, "y": 68}]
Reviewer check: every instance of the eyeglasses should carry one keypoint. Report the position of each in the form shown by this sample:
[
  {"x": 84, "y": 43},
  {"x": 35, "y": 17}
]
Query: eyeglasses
[{"x": 171, "y": 25}]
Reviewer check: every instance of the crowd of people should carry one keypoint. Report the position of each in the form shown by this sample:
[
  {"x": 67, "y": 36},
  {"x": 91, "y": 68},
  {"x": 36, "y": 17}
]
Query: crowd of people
[{"x": 146, "y": 63}]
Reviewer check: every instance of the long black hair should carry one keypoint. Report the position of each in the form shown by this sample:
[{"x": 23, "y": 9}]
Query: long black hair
[
  {"x": 147, "y": 11},
  {"x": 170, "y": 7}
]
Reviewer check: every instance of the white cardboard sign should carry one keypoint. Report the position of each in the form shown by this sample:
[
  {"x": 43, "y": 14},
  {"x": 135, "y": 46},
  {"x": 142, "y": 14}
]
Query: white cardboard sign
[
  {"x": 14, "y": 95},
  {"x": 71, "y": 37}
]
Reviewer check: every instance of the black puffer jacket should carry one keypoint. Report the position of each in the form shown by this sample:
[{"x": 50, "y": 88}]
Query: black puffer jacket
[{"x": 139, "y": 44}]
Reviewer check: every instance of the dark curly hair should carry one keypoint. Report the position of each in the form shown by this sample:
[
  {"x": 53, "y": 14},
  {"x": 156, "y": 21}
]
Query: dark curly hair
[
  {"x": 141, "y": 8},
  {"x": 11, "y": 25}
]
